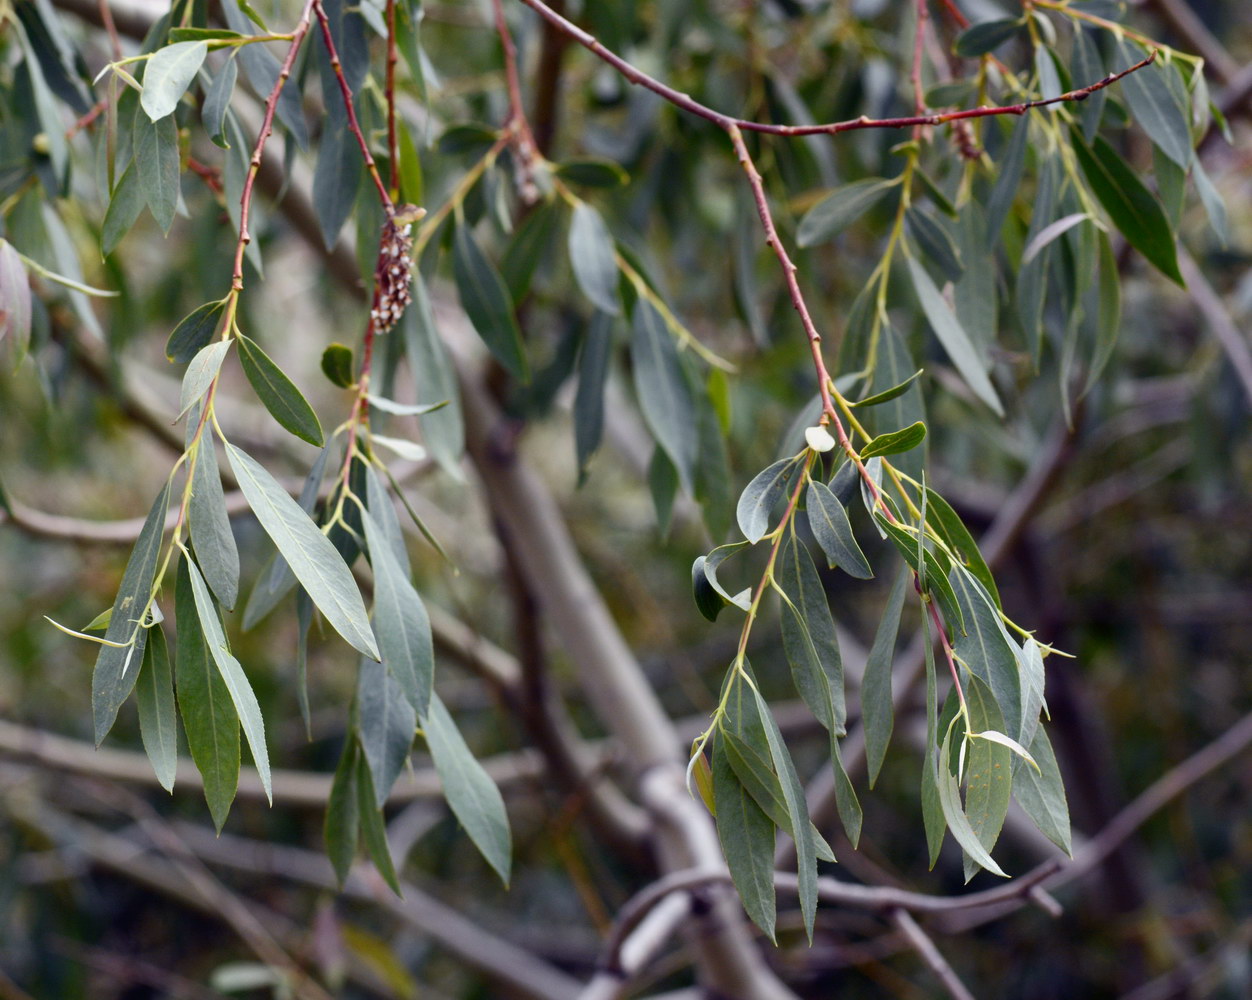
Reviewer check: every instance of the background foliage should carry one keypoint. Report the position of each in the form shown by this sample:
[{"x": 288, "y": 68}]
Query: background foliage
[{"x": 622, "y": 355}]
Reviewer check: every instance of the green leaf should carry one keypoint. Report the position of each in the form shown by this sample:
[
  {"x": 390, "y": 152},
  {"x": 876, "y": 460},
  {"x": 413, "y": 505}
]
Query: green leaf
[
  {"x": 1046, "y": 72},
  {"x": 203, "y": 34},
  {"x": 386, "y": 723},
  {"x": 954, "y": 813},
  {"x": 877, "y": 709},
  {"x": 760, "y": 497},
  {"x": 487, "y": 303},
  {"x": 954, "y": 339},
  {"x": 241, "y": 694},
  {"x": 809, "y": 639},
  {"x": 443, "y": 430},
  {"x": 279, "y": 393},
  {"x": 829, "y": 521},
  {"x": 200, "y": 373},
  {"x": 343, "y": 815},
  {"x": 310, "y": 554},
  {"x": 708, "y": 600},
  {"x": 945, "y": 522},
  {"x": 664, "y": 393},
  {"x": 715, "y": 559},
  {"x": 156, "y": 155},
  {"x": 988, "y": 772},
  {"x": 797, "y": 808},
  {"x": 1211, "y": 198},
  {"x": 846, "y": 802},
  {"x": 593, "y": 173},
  {"x": 986, "y": 650},
  {"x": 337, "y": 365},
  {"x": 986, "y": 36},
  {"x": 747, "y": 837},
  {"x": 194, "y": 332},
  {"x": 15, "y": 299},
  {"x": 899, "y": 389},
  {"x": 117, "y": 668},
  {"x": 402, "y": 409},
  {"x": 1042, "y": 795},
  {"x": 379, "y": 504},
  {"x": 1154, "y": 104},
  {"x": 933, "y": 572},
  {"x": 527, "y": 249},
  {"x": 336, "y": 178},
  {"x": 168, "y": 75},
  {"x": 895, "y": 442},
  {"x": 373, "y": 832},
  {"x": 935, "y": 242},
  {"x": 400, "y": 621},
  {"x": 840, "y": 209},
  {"x": 124, "y": 207},
  {"x": 158, "y": 725},
  {"x": 209, "y": 716},
  {"x": 472, "y": 795},
  {"x": 210, "y": 526},
  {"x": 1131, "y": 206},
  {"x": 1088, "y": 68},
  {"x": 1010, "y": 176},
  {"x": 663, "y": 485},
  {"x": 593, "y": 258},
  {"x": 262, "y": 69},
  {"x": 593, "y": 372}
]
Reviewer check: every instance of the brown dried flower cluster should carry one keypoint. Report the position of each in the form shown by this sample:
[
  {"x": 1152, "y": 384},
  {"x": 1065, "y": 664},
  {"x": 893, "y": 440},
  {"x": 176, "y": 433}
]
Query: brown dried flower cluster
[{"x": 393, "y": 274}]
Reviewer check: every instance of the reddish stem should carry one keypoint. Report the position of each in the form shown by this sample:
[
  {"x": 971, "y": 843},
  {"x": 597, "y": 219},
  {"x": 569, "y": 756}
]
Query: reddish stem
[
  {"x": 267, "y": 126},
  {"x": 687, "y": 103},
  {"x": 947, "y": 647},
  {"x": 390, "y": 93},
  {"x": 523, "y": 140},
  {"x": 346, "y": 92}
]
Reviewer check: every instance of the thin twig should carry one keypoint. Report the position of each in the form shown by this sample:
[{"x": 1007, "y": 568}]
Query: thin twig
[
  {"x": 687, "y": 103},
  {"x": 389, "y": 92},
  {"x": 930, "y": 954}
]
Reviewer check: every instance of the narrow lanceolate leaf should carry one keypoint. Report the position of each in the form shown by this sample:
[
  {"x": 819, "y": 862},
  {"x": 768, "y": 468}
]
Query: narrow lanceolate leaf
[
  {"x": 946, "y": 523},
  {"x": 988, "y": 770},
  {"x": 194, "y": 332},
  {"x": 1042, "y": 794},
  {"x": 443, "y": 430},
  {"x": 797, "y": 808},
  {"x": 953, "y": 337},
  {"x": 472, "y": 795},
  {"x": 1030, "y": 666},
  {"x": 210, "y": 526},
  {"x": 877, "y": 710},
  {"x": 156, "y": 154},
  {"x": 168, "y": 75},
  {"x": 386, "y": 723},
  {"x": 209, "y": 716},
  {"x": 747, "y": 837},
  {"x": 279, "y": 394},
  {"x": 760, "y": 497},
  {"x": 154, "y": 694},
  {"x": 1109, "y": 308},
  {"x": 400, "y": 621},
  {"x": 1155, "y": 106},
  {"x": 117, "y": 668},
  {"x": 373, "y": 832},
  {"x": 241, "y": 694},
  {"x": 336, "y": 179},
  {"x": 895, "y": 442},
  {"x": 593, "y": 258},
  {"x": 809, "y": 640},
  {"x": 985, "y": 649},
  {"x": 887, "y": 395},
  {"x": 310, "y": 554},
  {"x": 987, "y": 36},
  {"x": 954, "y": 813},
  {"x": 932, "y": 570},
  {"x": 1131, "y": 206},
  {"x": 343, "y": 816},
  {"x": 124, "y": 207},
  {"x": 593, "y": 373},
  {"x": 383, "y": 511},
  {"x": 1010, "y": 176},
  {"x": 935, "y": 242},
  {"x": 201, "y": 371},
  {"x": 664, "y": 394},
  {"x": 840, "y": 209},
  {"x": 715, "y": 558},
  {"x": 846, "y": 803},
  {"x": 486, "y": 300},
  {"x": 708, "y": 601},
  {"x": 217, "y": 101}
]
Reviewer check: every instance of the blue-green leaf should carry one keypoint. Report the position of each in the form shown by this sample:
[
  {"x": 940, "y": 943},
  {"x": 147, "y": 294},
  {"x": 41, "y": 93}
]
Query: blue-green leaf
[
  {"x": 877, "y": 709},
  {"x": 840, "y": 209},
  {"x": 664, "y": 394},
  {"x": 833, "y": 531},
  {"x": 158, "y": 725},
  {"x": 285, "y": 402},
  {"x": 472, "y": 795},
  {"x": 747, "y": 837},
  {"x": 156, "y": 155},
  {"x": 760, "y": 497},
  {"x": 386, "y": 723},
  {"x": 117, "y": 668},
  {"x": 310, "y": 554},
  {"x": 168, "y": 75},
  {"x": 210, "y": 526},
  {"x": 487, "y": 302},
  {"x": 593, "y": 258}
]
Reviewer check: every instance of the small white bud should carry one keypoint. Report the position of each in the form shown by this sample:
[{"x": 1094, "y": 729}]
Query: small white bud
[{"x": 819, "y": 438}]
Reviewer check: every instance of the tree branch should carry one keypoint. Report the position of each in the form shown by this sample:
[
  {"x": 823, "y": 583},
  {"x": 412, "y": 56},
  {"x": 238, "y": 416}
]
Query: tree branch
[{"x": 930, "y": 954}]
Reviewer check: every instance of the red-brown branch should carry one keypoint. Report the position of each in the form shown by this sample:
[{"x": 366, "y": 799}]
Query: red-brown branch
[
  {"x": 390, "y": 93},
  {"x": 267, "y": 126},
  {"x": 688, "y": 103},
  {"x": 353, "y": 125}
]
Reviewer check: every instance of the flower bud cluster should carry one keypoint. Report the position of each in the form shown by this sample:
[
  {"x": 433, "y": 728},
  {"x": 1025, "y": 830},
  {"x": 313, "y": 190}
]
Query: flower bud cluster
[{"x": 393, "y": 275}]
